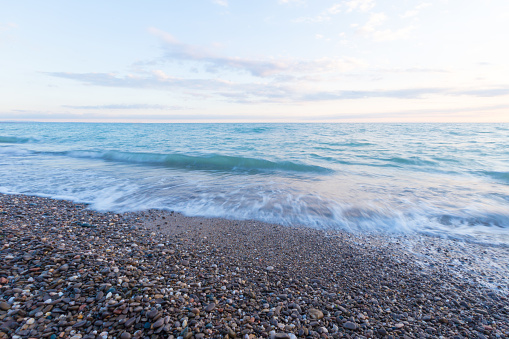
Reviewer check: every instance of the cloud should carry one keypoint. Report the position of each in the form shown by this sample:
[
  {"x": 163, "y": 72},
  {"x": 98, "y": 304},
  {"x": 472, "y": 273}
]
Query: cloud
[
  {"x": 412, "y": 70},
  {"x": 371, "y": 29},
  {"x": 126, "y": 107},
  {"x": 412, "y": 114},
  {"x": 326, "y": 15},
  {"x": 221, "y": 2},
  {"x": 322, "y": 17},
  {"x": 177, "y": 51},
  {"x": 290, "y": 1},
  {"x": 209, "y": 88},
  {"x": 347, "y": 95},
  {"x": 335, "y": 9},
  {"x": 313, "y": 19},
  {"x": 258, "y": 92},
  {"x": 375, "y": 20},
  {"x": 4, "y": 29},
  {"x": 391, "y": 35},
  {"x": 412, "y": 93},
  {"x": 156, "y": 79},
  {"x": 359, "y": 5},
  {"x": 424, "y": 114},
  {"x": 7, "y": 26},
  {"x": 415, "y": 11},
  {"x": 33, "y": 115},
  {"x": 321, "y": 37},
  {"x": 489, "y": 92}
]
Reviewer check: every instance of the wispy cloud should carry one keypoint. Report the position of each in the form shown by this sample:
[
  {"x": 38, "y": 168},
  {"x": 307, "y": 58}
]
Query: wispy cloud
[
  {"x": 391, "y": 35},
  {"x": 412, "y": 114},
  {"x": 324, "y": 16},
  {"x": 465, "y": 111},
  {"x": 321, "y": 37},
  {"x": 125, "y": 107},
  {"x": 412, "y": 93},
  {"x": 34, "y": 115},
  {"x": 4, "y": 28},
  {"x": 375, "y": 20},
  {"x": 488, "y": 92},
  {"x": 265, "y": 92},
  {"x": 359, "y": 5},
  {"x": 372, "y": 29},
  {"x": 347, "y": 95},
  {"x": 416, "y": 10},
  {"x": 313, "y": 19},
  {"x": 236, "y": 92},
  {"x": 156, "y": 79},
  {"x": 290, "y": 1},
  {"x": 7, "y": 26},
  {"x": 177, "y": 51},
  {"x": 221, "y": 2},
  {"x": 412, "y": 70}
]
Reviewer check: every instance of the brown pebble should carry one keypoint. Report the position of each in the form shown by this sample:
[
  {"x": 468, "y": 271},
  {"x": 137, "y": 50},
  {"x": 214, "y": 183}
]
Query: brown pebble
[{"x": 315, "y": 314}]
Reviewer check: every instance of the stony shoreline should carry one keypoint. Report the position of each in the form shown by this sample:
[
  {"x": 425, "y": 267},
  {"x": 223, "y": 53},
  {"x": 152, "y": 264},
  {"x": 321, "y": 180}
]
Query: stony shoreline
[{"x": 69, "y": 272}]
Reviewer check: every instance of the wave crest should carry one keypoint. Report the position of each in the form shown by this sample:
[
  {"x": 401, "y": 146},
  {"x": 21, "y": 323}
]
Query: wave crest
[
  {"x": 14, "y": 140},
  {"x": 214, "y": 162}
]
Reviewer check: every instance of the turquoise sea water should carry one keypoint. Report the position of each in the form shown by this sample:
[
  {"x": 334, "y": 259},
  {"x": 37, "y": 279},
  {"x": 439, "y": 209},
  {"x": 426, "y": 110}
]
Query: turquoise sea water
[{"x": 442, "y": 179}]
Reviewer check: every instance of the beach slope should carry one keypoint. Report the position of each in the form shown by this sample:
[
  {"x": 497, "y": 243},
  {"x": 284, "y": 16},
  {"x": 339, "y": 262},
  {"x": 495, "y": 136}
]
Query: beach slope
[{"x": 69, "y": 272}]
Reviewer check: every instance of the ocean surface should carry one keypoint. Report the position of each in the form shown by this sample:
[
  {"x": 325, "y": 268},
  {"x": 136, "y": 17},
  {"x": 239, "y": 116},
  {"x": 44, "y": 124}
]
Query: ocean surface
[{"x": 447, "y": 180}]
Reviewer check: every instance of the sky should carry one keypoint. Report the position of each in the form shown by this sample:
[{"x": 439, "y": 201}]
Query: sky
[{"x": 255, "y": 61}]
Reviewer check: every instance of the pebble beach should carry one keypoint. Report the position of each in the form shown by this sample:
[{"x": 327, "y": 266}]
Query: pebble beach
[{"x": 70, "y": 272}]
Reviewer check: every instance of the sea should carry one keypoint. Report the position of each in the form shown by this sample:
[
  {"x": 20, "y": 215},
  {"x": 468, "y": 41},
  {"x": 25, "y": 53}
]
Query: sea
[{"x": 443, "y": 180}]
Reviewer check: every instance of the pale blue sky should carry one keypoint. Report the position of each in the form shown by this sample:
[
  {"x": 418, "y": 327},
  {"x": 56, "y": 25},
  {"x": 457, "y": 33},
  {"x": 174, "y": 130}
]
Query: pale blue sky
[{"x": 265, "y": 60}]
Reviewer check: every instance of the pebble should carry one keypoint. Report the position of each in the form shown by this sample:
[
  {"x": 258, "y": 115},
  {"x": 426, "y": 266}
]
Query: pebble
[
  {"x": 350, "y": 325},
  {"x": 116, "y": 280},
  {"x": 99, "y": 295},
  {"x": 315, "y": 314},
  {"x": 79, "y": 324},
  {"x": 210, "y": 307},
  {"x": 158, "y": 323},
  {"x": 152, "y": 313}
]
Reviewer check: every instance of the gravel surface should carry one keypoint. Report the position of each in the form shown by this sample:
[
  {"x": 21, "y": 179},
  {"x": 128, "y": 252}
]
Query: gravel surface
[{"x": 69, "y": 272}]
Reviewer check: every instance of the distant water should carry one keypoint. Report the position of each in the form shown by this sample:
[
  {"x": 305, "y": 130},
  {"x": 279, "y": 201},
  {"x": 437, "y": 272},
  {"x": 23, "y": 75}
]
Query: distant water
[{"x": 448, "y": 180}]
